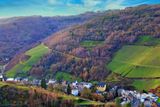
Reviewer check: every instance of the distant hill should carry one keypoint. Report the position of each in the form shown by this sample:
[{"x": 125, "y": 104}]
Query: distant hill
[
  {"x": 20, "y": 33},
  {"x": 85, "y": 50}
]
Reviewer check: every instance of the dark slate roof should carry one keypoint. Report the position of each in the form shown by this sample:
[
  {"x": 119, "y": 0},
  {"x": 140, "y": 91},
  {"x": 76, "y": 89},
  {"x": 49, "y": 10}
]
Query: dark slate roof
[{"x": 101, "y": 84}]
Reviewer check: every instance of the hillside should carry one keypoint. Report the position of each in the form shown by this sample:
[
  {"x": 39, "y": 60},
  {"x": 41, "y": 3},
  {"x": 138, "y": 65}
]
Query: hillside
[
  {"x": 84, "y": 50},
  {"x": 139, "y": 62},
  {"x": 18, "y": 34},
  {"x": 14, "y": 94},
  {"x": 23, "y": 66},
  {"x": 139, "y": 59}
]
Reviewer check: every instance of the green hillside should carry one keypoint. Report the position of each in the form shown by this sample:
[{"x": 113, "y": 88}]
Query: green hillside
[
  {"x": 138, "y": 61},
  {"x": 23, "y": 67},
  {"x": 147, "y": 40},
  {"x": 66, "y": 76},
  {"x": 146, "y": 84}
]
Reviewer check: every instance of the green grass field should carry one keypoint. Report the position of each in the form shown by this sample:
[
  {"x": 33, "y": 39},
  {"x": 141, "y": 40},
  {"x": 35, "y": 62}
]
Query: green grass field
[
  {"x": 137, "y": 62},
  {"x": 146, "y": 84},
  {"x": 147, "y": 40},
  {"x": 141, "y": 60},
  {"x": 23, "y": 67},
  {"x": 90, "y": 44},
  {"x": 67, "y": 77}
]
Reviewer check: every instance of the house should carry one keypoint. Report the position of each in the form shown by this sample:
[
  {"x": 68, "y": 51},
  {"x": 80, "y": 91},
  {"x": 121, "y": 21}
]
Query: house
[
  {"x": 80, "y": 87},
  {"x": 101, "y": 87},
  {"x": 74, "y": 84},
  {"x": 87, "y": 85},
  {"x": 10, "y": 79},
  {"x": 1, "y": 78},
  {"x": 25, "y": 81},
  {"x": 124, "y": 102},
  {"x": 135, "y": 102},
  {"x": 75, "y": 92},
  {"x": 147, "y": 103},
  {"x": 18, "y": 79},
  {"x": 51, "y": 82},
  {"x": 120, "y": 92},
  {"x": 36, "y": 82}
]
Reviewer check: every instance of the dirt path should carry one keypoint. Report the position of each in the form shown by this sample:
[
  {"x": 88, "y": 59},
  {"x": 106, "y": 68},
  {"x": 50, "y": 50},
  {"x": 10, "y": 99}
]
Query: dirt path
[
  {"x": 68, "y": 55},
  {"x": 148, "y": 66}
]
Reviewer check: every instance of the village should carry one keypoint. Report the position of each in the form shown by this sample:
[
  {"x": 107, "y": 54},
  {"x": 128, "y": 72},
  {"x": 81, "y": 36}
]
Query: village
[{"x": 102, "y": 90}]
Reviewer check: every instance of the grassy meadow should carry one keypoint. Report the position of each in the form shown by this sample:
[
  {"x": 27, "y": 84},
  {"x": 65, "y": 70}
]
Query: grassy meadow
[
  {"x": 23, "y": 67},
  {"x": 66, "y": 76},
  {"x": 140, "y": 60},
  {"x": 137, "y": 62},
  {"x": 146, "y": 84},
  {"x": 90, "y": 44},
  {"x": 147, "y": 40}
]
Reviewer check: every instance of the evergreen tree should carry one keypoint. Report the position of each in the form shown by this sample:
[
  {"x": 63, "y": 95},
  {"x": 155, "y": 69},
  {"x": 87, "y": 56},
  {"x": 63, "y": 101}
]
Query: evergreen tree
[
  {"x": 43, "y": 84},
  {"x": 68, "y": 89}
]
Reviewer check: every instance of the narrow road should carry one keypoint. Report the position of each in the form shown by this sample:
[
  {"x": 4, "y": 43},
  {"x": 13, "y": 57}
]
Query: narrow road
[
  {"x": 148, "y": 78},
  {"x": 68, "y": 55},
  {"x": 140, "y": 65},
  {"x": 140, "y": 78}
]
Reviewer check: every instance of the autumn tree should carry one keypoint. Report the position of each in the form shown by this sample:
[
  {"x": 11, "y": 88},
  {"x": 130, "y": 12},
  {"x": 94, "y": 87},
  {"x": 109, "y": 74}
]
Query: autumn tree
[
  {"x": 97, "y": 97},
  {"x": 86, "y": 93}
]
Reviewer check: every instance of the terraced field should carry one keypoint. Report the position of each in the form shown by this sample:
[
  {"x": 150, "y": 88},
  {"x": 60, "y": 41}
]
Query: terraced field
[
  {"x": 137, "y": 62},
  {"x": 146, "y": 84},
  {"x": 24, "y": 66}
]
